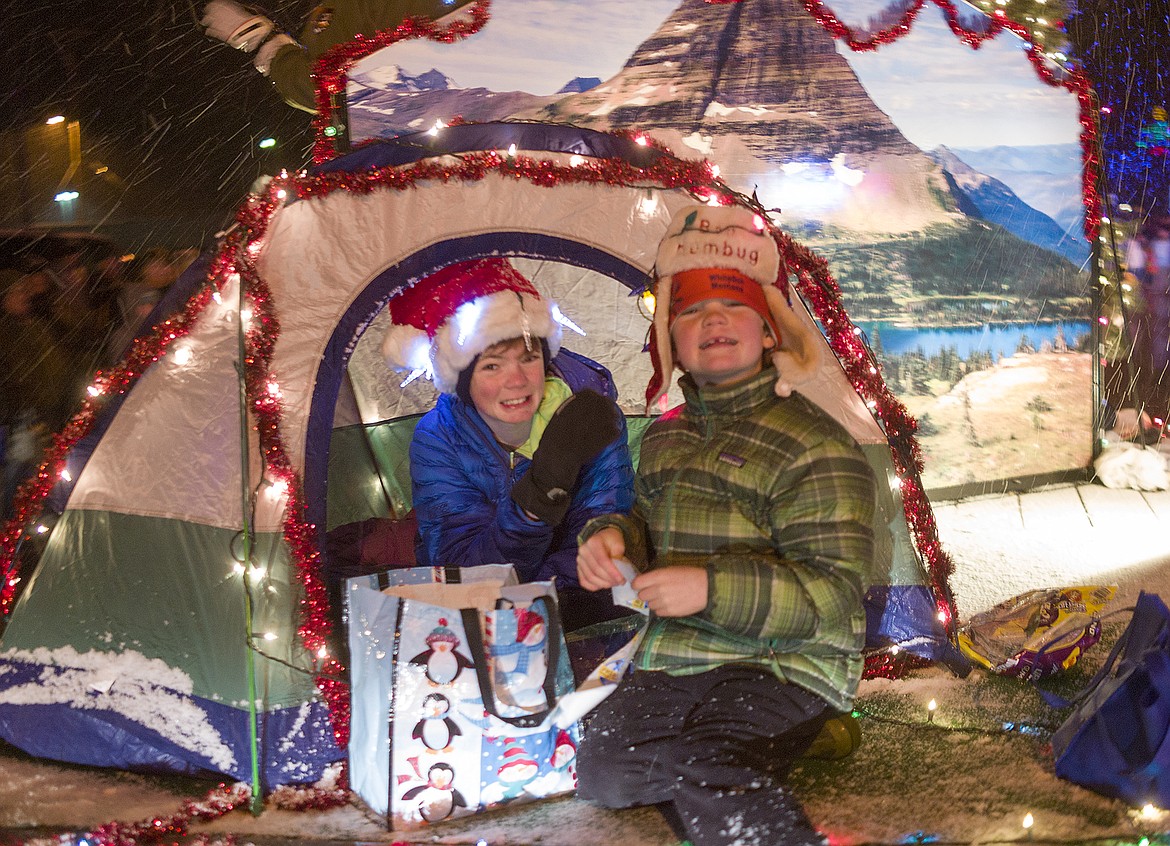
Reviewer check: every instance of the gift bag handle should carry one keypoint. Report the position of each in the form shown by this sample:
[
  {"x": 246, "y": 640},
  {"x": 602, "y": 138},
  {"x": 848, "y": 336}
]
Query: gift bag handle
[
  {"x": 450, "y": 576},
  {"x": 471, "y": 625},
  {"x": 1144, "y": 606}
]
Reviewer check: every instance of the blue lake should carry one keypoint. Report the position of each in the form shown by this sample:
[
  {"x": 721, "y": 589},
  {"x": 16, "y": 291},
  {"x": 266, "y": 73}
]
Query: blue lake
[{"x": 996, "y": 338}]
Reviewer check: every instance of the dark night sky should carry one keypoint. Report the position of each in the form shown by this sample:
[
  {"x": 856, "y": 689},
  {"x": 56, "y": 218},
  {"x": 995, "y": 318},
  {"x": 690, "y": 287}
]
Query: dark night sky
[
  {"x": 1123, "y": 45},
  {"x": 177, "y": 115}
]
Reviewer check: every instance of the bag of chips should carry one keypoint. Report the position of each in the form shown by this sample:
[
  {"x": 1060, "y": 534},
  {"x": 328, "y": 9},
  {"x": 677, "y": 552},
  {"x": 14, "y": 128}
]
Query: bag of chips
[{"x": 1037, "y": 633}]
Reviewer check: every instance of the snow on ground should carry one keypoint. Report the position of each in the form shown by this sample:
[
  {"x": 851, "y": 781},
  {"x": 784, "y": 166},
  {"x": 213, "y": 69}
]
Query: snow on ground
[
  {"x": 1053, "y": 537},
  {"x": 957, "y": 776}
]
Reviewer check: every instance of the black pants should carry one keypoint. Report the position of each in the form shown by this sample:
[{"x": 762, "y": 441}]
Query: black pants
[{"x": 718, "y": 745}]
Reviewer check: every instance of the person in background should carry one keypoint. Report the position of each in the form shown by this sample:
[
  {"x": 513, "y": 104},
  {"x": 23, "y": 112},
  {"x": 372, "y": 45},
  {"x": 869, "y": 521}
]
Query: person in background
[
  {"x": 752, "y": 539},
  {"x": 525, "y": 443},
  {"x": 1135, "y": 387},
  {"x": 79, "y": 308},
  {"x": 145, "y": 279},
  {"x": 1137, "y": 255},
  {"x": 36, "y": 376},
  {"x": 1129, "y": 385},
  {"x": 1156, "y": 292}
]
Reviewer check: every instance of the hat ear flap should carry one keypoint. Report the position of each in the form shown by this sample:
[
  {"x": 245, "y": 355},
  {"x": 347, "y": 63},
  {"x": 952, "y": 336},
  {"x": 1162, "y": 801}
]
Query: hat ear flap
[
  {"x": 661, "y": 355},
  {"x": 797, "y": 358}
]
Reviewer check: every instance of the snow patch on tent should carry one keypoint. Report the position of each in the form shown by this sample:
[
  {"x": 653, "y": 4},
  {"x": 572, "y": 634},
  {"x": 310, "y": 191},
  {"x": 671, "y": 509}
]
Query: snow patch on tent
[
  {"x": 145, "y": 690},
  {"x": 294, "y": 736}
]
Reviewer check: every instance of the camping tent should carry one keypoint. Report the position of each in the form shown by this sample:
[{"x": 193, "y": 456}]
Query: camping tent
[{"x": 176, "y": 618}]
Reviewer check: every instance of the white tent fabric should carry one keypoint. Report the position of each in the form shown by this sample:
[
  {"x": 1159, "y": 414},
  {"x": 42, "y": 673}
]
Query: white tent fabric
[{"x": 319, "y": 254}]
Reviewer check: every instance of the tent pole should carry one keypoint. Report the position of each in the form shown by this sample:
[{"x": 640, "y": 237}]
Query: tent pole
[{"x": 256, "y": 804}]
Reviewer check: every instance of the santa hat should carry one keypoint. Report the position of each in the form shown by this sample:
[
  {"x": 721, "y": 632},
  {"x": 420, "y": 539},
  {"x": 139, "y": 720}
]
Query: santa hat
[
  {"x": 442, "y": 322},
  {"x": 564, "y": 739},
  {"x": 727, "y": 252}
]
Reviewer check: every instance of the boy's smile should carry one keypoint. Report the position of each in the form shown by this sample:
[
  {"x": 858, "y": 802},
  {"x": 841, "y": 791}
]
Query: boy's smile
[{"x": 720, "y": 341}]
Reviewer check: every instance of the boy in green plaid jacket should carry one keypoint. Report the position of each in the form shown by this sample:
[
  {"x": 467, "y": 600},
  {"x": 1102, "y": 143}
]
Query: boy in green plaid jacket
[{"x": 752, "y": 534}]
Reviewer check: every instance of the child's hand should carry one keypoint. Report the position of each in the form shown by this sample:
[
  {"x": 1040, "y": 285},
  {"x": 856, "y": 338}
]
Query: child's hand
[
  {"x": 673, "y": 591},
  {"x": 595, "y": 567}
]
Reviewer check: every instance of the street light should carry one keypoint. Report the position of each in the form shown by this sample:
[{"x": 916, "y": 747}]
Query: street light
[{"x": 73, "y": 130}]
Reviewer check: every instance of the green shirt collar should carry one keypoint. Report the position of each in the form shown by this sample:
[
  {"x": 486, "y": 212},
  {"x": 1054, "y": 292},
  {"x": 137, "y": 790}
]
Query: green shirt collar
[{"x": 556, "y": 391}]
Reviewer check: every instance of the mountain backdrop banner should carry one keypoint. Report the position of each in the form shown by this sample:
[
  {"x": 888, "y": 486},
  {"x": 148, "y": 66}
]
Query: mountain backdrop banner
[{"x": 941, "y": 183}]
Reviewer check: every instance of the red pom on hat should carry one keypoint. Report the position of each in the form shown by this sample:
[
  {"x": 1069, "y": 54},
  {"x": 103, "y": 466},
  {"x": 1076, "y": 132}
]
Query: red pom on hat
[
  {"x": 443, "y": 321},
  {"x": 442, "y": 633}
]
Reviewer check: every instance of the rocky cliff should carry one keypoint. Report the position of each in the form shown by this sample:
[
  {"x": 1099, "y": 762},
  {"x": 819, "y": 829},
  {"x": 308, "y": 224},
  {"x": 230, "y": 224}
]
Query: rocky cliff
[
  {"x": 987, "y": 198},
  {"x": 761, "y": 70}
]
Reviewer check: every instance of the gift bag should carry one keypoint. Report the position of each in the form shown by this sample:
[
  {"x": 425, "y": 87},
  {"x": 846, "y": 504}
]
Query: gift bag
[
  {"x": 460, "y": 687},
  {"x": 1037, "y": 633},
  {"x": 1115, "y": 741}
]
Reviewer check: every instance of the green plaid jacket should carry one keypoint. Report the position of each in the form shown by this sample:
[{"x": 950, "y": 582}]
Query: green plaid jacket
[{"x": 776, "y": 500}]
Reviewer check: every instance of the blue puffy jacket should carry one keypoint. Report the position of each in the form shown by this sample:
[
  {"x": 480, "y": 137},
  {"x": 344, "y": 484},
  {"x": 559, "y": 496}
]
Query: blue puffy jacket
[{"x": 461, "y": 480}]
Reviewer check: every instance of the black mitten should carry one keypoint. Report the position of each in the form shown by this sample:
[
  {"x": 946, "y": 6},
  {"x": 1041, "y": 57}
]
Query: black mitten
[{"x": 584, "y": 425}]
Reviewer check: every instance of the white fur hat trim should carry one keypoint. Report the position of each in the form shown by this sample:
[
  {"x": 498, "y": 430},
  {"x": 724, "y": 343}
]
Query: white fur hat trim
[{"x": 478, "y": 324}]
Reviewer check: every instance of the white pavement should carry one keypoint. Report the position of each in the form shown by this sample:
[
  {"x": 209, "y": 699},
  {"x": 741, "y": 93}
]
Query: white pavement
[{"x": 1006, "y": 544}]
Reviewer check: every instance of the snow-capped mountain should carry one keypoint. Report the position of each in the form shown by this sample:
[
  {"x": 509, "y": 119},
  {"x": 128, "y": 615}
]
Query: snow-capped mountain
[
  {"x": 762, "y": 70},
  {"x": 399, "y": 80},
  {"x": 988, "y": 198},
  {"x": 1047, "y": 177},
  {"x": 388, "y": 100},
  {"x": 759, "y": 87}
]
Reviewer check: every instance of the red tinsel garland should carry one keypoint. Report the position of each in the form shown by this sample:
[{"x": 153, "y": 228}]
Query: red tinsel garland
[
  {"x": 314, "y": 627},
  {"x": 220, "y": 801},
  {"x": 237, "y": 256},
  {"x": 329, "y": 70}
]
